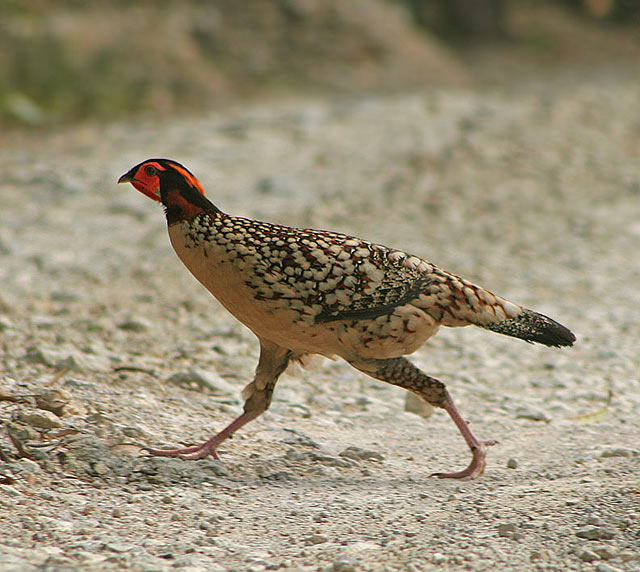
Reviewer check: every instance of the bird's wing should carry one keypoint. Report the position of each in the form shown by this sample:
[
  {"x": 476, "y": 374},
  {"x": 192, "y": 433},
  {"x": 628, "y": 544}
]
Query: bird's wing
[
  {"x": 346, "y": 278},
  {"x": 331, "y": 276},
  {"x": 376, "y": 286}
]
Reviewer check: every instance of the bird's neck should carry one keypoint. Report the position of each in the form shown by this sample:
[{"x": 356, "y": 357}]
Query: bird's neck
[{"x": 184, "y": 204}]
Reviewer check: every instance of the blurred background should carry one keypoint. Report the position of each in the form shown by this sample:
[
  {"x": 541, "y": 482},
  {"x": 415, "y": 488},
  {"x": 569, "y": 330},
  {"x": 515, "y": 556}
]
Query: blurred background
[{"x": 69, "y": 60}]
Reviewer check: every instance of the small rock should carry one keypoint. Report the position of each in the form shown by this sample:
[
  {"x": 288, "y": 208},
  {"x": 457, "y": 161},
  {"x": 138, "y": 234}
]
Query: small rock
[
  {"x": 604, "y": 567},
  {"x": 10, "y": 491},
  {"x": 195, "y": 378},
  {"x": 21, "y": 435},
  {"x": 587, "y": 555},
  {"x": 25, "y": 467},
  {"x": 509, "y": 530},
  {"x": 619, "y": 452},
  {"x": 512, "y": 463},
  {"x": 316, "y": 539},
  {"x": 53, "y": 400},
  {"x": 532, "y": 413},
  {"x": 41, "y": 355},
  {"x": 542, "y": 555},
  {"x": 330, "y": 460},
  {"x": 100, "y": 468},
  {"x": 345, "y": 564},
  {"x": 438, "y": 558},
  {"x": 595, "y": 533},
  {"x": 606, "y": 552},
  {"x": 39, "y": 419},
  {"x": 414, "y": 404},
  {"x": 358, "y": 454},
  {"x": 61, "y": 359},
  {"x": 133, "y": 431},
  {"x": 60, "y": 296},
  {"x": 134, "y": 325}
]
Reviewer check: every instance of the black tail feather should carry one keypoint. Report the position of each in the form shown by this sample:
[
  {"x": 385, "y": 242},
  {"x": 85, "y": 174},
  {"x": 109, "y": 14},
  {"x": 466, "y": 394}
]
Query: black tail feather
[{"x": 533, "y": 327}]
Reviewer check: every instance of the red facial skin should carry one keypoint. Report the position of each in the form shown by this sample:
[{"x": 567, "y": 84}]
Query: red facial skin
[{"x": 145, "y": 179}]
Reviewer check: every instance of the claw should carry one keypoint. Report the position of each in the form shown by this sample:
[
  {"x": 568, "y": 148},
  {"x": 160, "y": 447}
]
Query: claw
[
  {"x": 187, "y": 453},
  {"x": 477, "y": 465},
  {"x": 207, "y": 448}
]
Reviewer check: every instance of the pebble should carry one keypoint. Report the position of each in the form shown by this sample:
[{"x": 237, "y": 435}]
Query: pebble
[
  {"x": 619, "y": 452},
  {"x": 316, "y": 539},
  {"x": 40, "y": 419},
  {"x": 594, "y": 519},
  {"x": 604, "y": 567},
  {"x": 24, "y": 467},
  {"x": 43, "y": 355},
  {"x": 414, "y": 404},
  {"x": 61, "y": 296},
  {"x": 587, "y": 555},
  {"x": 10, "y": 491},
  {"x": 100, "y": 468},
  {"x": 196, "y": 378},
  {"x": 358, "y": 454},
  {"x": 53, "y": 400},
  {"x": 67, "y": 359},
  {"x": 509, "y": 530},
  {"x": 542, "y": 555},
  {"x": 132, "y": 324},
  {"x": 345, "y": 564},
  {"x": 5, "y": 323},
  {"x": 606, "y": 552},
  {"x": 532, "y": 413},
  {"x": 628, "y": 555},
  {"x": 512, "y": 463},
  {"x": 595, "y": 533}
]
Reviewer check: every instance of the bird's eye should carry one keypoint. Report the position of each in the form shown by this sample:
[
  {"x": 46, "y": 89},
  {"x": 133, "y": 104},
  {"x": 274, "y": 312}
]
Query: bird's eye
[{"x": 150, "y": 171}]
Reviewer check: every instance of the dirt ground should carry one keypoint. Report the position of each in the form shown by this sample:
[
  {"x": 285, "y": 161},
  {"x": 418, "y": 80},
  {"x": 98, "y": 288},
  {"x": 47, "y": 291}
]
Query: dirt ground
[{"x": 107, "y": 342}]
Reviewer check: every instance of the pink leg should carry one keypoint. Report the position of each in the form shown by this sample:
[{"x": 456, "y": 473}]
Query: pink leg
[
  {"x": 207, "y": 448},
  {"x": 273, "y": 361},
  {"x": 478, "y": 447},
  {"x": 401, "y": 372}
]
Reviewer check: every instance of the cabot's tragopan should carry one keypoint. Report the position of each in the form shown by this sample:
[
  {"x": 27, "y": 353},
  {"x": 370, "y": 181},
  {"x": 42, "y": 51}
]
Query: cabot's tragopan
[{"x": 304, "y": 292}]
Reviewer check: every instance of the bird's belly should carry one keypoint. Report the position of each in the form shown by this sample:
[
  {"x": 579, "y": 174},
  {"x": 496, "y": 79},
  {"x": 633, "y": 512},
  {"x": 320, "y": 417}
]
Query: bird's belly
[
  {"x": 274, "y": 320},
  {"x": 400, "y": 333}
]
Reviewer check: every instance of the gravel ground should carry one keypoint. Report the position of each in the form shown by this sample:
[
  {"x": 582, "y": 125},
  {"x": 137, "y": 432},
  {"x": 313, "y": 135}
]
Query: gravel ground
[{"x": 107, "y": 342}]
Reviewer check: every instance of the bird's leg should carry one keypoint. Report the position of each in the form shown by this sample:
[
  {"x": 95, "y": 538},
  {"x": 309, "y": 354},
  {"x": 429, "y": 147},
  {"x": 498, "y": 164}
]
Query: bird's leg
[
  {"x": 401, "y": 372},
  {"x": 478, "y": 447},
  {"x": 209, "y": 447},
  {"x": 273, "y": 361}
]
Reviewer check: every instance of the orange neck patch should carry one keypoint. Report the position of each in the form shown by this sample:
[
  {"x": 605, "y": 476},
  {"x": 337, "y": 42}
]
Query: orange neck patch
[{"x": 180, "y": 207}]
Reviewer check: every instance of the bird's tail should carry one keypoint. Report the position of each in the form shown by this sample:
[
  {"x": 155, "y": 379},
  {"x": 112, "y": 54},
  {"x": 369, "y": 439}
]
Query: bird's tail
[
  {"x": 466, "y": 303},
  {"x": 455, "y": 302},
  {"x": 533, "y": 327}
]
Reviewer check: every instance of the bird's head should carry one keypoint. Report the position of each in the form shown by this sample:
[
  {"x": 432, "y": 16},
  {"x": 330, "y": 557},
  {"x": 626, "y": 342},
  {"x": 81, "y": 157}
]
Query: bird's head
[{"x": 153, "y": 176}]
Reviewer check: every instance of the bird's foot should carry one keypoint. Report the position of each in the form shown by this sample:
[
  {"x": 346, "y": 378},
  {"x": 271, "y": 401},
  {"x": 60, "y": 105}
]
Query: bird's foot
[
  {"x": 476, "y": 467},
  {"x": 188, "y": 453}
]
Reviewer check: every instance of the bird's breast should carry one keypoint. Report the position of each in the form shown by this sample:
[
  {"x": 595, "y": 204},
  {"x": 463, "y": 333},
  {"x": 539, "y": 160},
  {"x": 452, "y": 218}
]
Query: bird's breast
[{"x": 232, "y": 281}]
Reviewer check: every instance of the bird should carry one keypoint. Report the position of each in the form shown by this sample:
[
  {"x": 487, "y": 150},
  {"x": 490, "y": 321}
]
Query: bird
[{"x": 304, "y": 292}]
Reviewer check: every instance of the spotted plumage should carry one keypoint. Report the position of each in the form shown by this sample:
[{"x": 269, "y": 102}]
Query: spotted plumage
[{"x": 304, "y": 291}]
